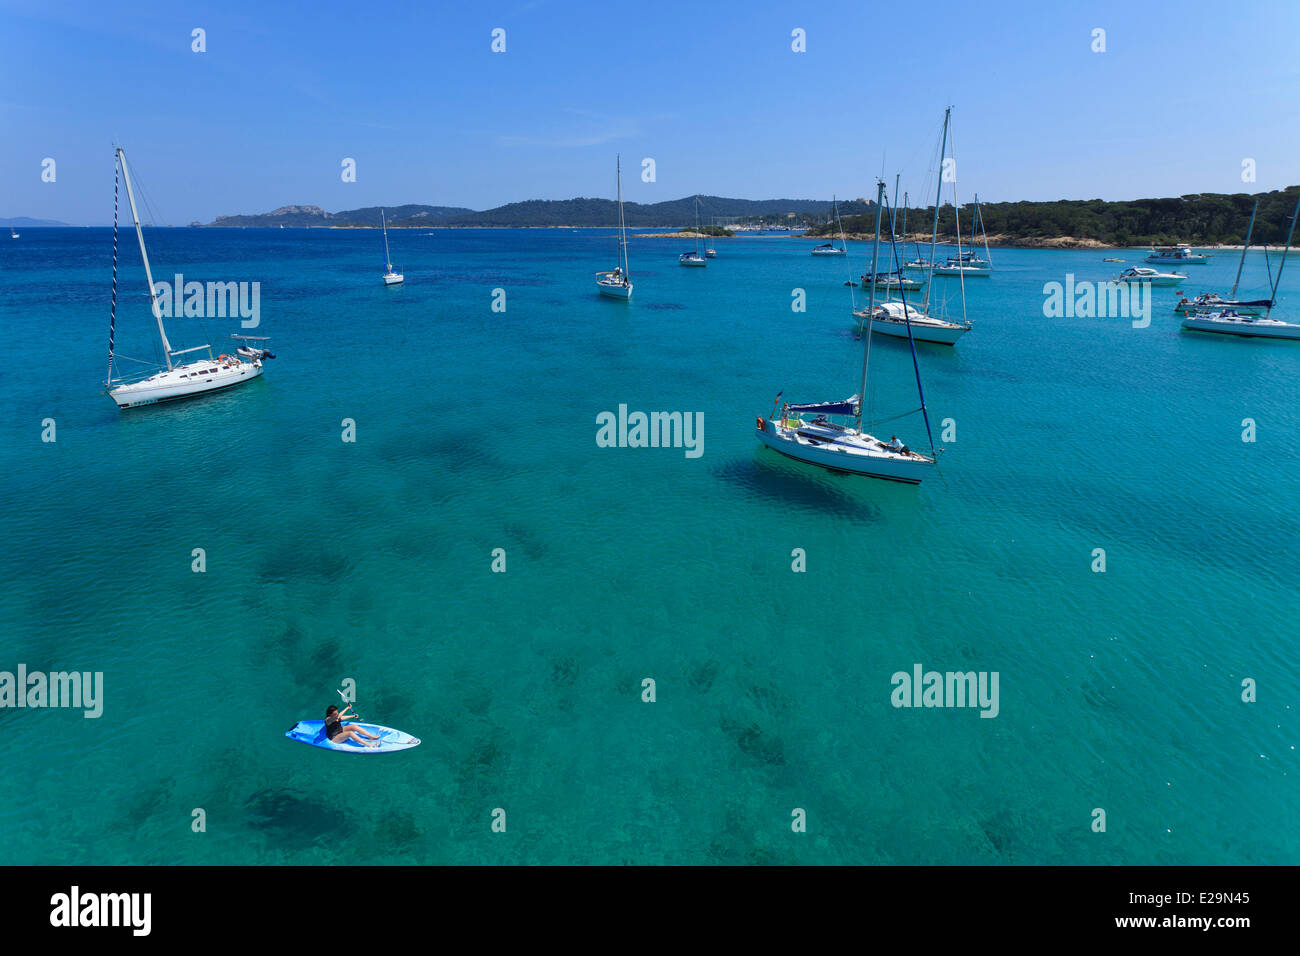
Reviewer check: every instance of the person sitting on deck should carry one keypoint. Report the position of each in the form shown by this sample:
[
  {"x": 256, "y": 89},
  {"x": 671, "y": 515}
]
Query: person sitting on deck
[{"x": 336, "y": 733}]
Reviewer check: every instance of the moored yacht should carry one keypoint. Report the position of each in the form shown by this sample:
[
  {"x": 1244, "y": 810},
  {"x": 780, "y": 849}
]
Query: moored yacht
[
  {"x": 618, "y": 284},
  {"x": 1179, "y": 255},
  {"x": 1153, "y": 276},
  {"x": 176, "y": 380},
  {"x": 806, "y": 432},
  {"x": 894, "y": 318}
]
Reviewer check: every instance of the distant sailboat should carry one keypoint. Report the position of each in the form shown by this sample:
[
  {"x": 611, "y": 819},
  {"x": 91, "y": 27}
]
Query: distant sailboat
[
  {"x": 618, "y": 284},
  {"x": 694, "y": 258},
  {"x": 12, "y": 234},
  {"x": 392, "y": 276},
  {"x": 1232, "y": 322},
  {"x": 709, "y": 251},
  {"x": 820, "y": 441},
  {"x": 968, "y": 263},
  {"x": 176, "y": 381},
  {"x": 829, "y": 248}
]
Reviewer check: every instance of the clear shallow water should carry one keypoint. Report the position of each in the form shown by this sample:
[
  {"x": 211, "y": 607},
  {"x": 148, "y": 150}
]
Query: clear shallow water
[{"x": 476, "y": 430}]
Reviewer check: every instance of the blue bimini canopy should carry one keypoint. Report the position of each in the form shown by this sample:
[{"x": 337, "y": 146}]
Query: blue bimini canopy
[{"x": 849, "y": 407}]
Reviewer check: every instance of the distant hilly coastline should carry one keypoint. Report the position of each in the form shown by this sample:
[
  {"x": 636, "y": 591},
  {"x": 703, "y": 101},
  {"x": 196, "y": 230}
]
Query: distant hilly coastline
[
  {"x": 17, "y": 221},
  {"x": 1200, "y": 218},
  {"x": 543, "y": 213}
]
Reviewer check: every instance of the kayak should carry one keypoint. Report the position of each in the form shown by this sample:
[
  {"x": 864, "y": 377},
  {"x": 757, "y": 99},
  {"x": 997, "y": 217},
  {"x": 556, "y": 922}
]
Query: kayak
[{"x": 312, "y": 732}]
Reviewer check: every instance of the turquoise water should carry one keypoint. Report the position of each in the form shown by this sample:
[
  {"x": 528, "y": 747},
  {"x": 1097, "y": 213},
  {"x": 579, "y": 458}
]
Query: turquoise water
[{"x": 476, "y": 430}]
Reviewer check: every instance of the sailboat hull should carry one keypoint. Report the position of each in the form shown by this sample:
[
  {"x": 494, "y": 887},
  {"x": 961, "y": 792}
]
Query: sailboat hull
[
  {"x": 1246, "y": 327},
  {"x": 185, "y": 381},
  {"x": 623, "y": 292},
  {"x": 848, "y": 457}
]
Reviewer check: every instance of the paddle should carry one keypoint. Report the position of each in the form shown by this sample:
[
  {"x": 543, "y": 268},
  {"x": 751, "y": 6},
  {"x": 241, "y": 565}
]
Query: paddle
[{"x": 347, "y": 703}]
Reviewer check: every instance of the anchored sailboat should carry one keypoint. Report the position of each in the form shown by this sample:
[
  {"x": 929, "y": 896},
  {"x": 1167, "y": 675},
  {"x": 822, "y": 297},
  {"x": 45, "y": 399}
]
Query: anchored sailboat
[
  {"x": 618, "y": 284},
  {"x": 176, "y": 381},
  {"x": 1233, "y": 322},
  {"x": 709, "y": 251},
  {"x": 820, "y": 441},
  {"x": 904, "y": 321},
  {"x": 1213, "y": 302},
  {"x": 829, "y": 248},
  {"x": 968, "y": 263},
  {"x": 694, "y": 258},
  {"x": 392, "y": 276}
]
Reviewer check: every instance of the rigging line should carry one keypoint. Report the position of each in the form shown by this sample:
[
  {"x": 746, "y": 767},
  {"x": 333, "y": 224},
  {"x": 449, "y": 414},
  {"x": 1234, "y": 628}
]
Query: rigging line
[
  {"x": 112, "y": 313},
  {"x": 902, "y": 294},
  {"x": 956, "y": 212}
]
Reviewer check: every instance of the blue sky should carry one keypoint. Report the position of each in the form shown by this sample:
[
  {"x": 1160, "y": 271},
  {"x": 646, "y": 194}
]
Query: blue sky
[{"x": 711, "y": 91}]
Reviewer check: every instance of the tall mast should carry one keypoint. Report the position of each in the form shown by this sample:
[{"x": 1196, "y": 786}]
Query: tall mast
[
  {"x": 388, "y": 259},
  {"x": 622, "y": 223},
  {"x": 871, "y": 306},
  {"x": 1249, "y": 232},
  {"x": 148, "y": 274},
  {"x": 1282, "y": 265},
  {"x": 938, "y": 197}
]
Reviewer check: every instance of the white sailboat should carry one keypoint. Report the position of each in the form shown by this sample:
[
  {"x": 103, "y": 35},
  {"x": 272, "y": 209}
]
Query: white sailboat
[
  {"x": 817, "y": 440},
  {"x": 968, "y": 263},
  {"x": 618, "y": 284},
  {"x": 829, "y": 248},
  {"x": 1213, "y": 302},
  {"x": 175, "y": 381},
  {"x": 906, "y": 321},
  {"x": 694, "y": 259},
  {"x": 1232, "y": 322},
  {"x": 12, "y": 234},
  {"x": 709, "y": 251},
  {"x": 392, "y": 276}
]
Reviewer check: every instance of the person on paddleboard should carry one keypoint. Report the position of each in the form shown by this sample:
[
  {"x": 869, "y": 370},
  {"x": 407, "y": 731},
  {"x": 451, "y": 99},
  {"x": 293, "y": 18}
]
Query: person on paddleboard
[{"x": 338, "y": 734}]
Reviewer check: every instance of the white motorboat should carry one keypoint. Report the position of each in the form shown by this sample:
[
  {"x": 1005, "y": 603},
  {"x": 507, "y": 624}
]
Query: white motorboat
[
  {"x": 392, "y": 276},
  {"x": 1179, "y": 255},
  {"x": 806, "y": 432},
  {"x": 1153, "y": 276},
  {"x": 618, "y": 284},
  {"x": 176, "y": 380}
]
